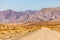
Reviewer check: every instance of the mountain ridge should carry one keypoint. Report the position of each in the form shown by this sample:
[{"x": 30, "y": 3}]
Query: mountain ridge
[{"x": 45, "y": 14}]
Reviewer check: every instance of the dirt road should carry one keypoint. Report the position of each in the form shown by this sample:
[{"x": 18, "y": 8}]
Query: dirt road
[{"x": 43, "y": 34}]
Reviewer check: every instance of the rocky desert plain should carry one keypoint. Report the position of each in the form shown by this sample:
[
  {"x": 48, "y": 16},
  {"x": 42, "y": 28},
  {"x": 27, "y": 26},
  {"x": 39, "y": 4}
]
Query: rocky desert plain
[{"x": 30, "y": 31}]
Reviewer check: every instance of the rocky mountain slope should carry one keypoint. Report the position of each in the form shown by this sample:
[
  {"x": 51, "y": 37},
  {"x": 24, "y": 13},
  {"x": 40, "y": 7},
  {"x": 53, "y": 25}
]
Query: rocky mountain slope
[
  {"x": 9, "y": 16},
  {"x": 45, "y": 14}
]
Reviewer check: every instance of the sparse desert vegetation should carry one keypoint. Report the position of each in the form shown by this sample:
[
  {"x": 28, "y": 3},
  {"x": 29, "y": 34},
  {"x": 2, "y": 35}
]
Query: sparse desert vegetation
[{"x": 15, "y": 31}]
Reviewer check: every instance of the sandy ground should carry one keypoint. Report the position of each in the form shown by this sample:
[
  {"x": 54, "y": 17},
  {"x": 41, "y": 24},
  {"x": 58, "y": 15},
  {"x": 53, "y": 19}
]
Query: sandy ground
[{"x": 43, "y": 34}]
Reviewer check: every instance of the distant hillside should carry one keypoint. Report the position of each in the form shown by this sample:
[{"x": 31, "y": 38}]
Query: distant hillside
[
  {"x": 45, "y": 14},
  {"x": 9, "y": 16}
]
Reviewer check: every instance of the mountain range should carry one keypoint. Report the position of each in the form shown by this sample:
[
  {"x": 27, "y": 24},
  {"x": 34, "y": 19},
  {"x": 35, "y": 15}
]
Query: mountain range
[{"x": 45, "y": 14}]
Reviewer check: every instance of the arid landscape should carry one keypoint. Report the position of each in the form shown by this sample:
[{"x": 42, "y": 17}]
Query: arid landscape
[
  {"x": 30, "y": 25},
  {"x": 29, "y": 19},
  {"x": 30, "y": 31}
]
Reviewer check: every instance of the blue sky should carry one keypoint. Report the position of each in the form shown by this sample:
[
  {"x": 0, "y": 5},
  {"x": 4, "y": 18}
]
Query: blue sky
[{"x": 20, "y": 5}]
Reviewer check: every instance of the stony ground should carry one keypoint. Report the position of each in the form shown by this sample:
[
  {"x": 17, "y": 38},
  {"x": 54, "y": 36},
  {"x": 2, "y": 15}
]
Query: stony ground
[{"x": 16, "y": 31}]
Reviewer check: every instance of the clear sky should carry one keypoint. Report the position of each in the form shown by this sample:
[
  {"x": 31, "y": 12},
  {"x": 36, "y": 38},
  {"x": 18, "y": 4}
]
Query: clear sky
[{"x": 20, "y": 5}]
